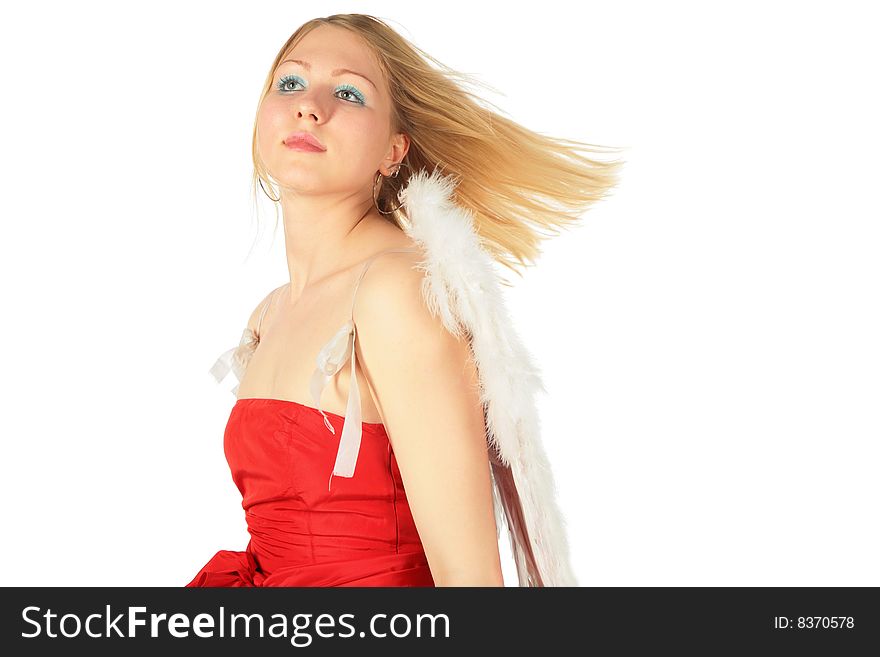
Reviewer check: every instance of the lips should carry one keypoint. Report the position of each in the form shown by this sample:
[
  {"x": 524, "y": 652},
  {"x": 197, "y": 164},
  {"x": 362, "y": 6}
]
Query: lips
[{"x": 303, "y": 141}]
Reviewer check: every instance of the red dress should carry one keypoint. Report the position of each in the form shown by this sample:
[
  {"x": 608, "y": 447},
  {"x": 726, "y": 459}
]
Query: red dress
[
  {"x": 359, "y": 534},
  {"x": 356, "y": 529}
]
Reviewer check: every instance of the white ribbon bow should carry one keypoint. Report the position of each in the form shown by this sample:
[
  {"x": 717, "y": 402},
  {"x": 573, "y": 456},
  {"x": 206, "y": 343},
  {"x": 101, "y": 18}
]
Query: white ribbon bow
[
  {"x": 235, "y": 359},
  {"x": 330, "y": 360}
]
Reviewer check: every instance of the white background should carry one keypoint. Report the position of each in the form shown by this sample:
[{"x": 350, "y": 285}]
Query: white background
[{"x": 708, "y": 334}]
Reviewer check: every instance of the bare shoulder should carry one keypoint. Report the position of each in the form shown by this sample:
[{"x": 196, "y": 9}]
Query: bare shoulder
[
  {"x": 391, "y": 291},
  {"x": 254, "y": 320},
  {"x": 395, "y": 323}
]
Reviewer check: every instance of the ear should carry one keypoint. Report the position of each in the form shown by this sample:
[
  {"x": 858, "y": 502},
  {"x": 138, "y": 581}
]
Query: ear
[{"x": 396, "y": 153}]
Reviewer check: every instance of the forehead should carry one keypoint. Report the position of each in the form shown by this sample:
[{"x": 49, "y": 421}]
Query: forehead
[{"x": 328, "y": 47}]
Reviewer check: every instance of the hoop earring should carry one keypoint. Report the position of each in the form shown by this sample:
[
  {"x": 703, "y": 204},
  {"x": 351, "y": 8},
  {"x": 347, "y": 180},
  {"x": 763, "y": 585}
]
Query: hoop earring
[
  {"x": 378, "y": 177},
  {"x": 260, "y": 178}
]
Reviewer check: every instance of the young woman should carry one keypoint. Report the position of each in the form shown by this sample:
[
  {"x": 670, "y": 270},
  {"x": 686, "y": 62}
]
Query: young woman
[{"x": 384, "y": 425}]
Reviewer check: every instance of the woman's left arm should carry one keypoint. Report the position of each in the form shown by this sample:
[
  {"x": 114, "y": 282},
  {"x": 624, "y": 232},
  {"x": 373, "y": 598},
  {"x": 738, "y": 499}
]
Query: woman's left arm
[{"x": 426, "y": 387}]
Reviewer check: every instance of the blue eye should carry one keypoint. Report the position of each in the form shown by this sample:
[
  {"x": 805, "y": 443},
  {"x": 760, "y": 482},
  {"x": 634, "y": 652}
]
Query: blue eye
[
  {"x": 348, "y": 89},
  {"x": 287, "y": 79},
  {"x": 343, "y": 88}
]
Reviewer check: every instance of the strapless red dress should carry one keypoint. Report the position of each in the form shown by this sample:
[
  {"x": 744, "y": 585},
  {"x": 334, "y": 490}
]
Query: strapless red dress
[{"x": 358, "y": 533}]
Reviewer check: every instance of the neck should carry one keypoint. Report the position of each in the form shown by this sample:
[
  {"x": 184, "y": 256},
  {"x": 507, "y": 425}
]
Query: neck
[{"x": 318, "y": 233}]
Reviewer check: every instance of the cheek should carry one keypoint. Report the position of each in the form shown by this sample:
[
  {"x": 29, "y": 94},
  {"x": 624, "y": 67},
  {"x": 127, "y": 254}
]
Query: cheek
[
  {"x": 270, "y": 120},
  {"x": 366, "y": 137}
]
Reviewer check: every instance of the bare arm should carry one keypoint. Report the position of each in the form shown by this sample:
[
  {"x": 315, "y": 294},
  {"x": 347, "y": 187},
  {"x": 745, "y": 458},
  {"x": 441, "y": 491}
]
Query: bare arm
[{"x": 426, "y": 390}]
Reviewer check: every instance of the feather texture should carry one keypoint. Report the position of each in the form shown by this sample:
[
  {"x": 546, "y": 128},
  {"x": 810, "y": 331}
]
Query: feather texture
[{"x": 462, "y": 288}]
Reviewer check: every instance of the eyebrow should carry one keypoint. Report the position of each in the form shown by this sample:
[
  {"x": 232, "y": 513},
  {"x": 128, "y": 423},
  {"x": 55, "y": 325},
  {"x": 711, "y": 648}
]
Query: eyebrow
[{"x": 334, "y": 72}]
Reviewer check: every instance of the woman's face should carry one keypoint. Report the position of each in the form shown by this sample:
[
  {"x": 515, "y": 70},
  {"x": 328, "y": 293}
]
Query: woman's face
[{"x": 348, "y": 114}]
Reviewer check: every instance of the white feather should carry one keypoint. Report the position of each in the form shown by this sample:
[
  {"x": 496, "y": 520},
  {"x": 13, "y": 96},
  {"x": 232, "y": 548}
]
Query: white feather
[{"x": 462, "y": 288}]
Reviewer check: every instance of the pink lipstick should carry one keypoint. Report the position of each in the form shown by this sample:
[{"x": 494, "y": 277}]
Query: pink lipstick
[{"x": 304, "y": 141}]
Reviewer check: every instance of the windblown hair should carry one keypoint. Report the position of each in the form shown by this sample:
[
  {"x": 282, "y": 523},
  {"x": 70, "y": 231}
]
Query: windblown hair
[{"x": 520, "y": 186}]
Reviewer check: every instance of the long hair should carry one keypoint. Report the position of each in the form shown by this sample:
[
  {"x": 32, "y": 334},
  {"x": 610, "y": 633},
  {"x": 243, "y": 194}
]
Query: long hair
[{"x": 521, "y": 186}]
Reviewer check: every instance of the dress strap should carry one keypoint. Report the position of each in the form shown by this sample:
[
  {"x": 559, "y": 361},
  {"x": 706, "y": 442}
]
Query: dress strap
[
  {"x": 266, "y": 305},
  {"x": 331, "y": 358},
  {"x": 367, "y": 266},
  {"x": 237, "y": 358}
]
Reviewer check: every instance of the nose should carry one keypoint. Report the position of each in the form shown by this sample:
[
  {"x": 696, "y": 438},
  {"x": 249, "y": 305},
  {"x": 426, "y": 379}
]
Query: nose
[{"x": 305, "y": 106}]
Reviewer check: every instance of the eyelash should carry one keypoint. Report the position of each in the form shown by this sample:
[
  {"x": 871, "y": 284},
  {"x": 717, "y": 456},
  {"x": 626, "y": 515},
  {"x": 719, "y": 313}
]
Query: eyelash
[{"x": 344, "y": 87}]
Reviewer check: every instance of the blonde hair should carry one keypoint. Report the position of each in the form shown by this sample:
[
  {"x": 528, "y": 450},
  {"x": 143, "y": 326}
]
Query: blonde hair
[{"x": 521, "y": 186}]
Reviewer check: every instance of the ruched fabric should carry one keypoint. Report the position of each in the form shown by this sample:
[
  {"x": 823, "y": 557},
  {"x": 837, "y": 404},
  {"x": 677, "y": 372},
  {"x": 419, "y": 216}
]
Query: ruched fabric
[{"x": 360, "y": 533}]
